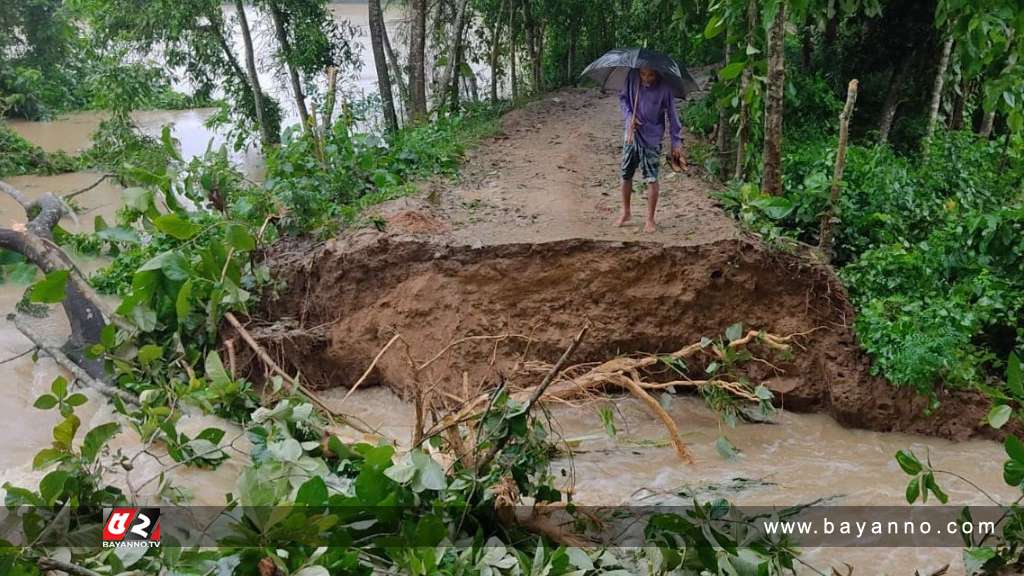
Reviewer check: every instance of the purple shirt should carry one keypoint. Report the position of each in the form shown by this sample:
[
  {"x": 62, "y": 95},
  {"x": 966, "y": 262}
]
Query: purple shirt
[{"x": 653, "y": 103}]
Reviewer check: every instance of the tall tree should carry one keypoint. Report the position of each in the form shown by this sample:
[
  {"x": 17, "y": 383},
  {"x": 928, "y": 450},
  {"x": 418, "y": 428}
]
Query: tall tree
[
  {"x": 281, "y": 33},
  {"x": 893, "y": 95},
  {"x": 743, "y": 131},
  {"x": 940, "y": 79},
  {"x": 495, "y": 52},
  {"x": 448, "y": 88},
  {"x": 771, "y": 182},
  {"x": 377, "y": 38},
  {"x": 268, "y": 137},
  {"x": 417, "y": 60},
  {"x": 399, "y": 76}
]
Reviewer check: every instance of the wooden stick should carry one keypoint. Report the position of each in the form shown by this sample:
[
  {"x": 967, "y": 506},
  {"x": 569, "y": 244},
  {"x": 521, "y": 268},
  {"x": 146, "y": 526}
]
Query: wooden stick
[
  {"x": 825, "y": 236},
  {"x": 68, "y": 364},
  {"x": 369, "y": 368},
  {"x": 653, "y": 405}
]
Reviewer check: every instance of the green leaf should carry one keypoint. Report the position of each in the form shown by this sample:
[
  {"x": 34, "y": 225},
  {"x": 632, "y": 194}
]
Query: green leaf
[
  {"x": 52, "y": 485},
  {"x": 64, "y": 432},
  {"x": 183, "y": 303},
  {"x": 930, "y": 484},
  {"x": 1014, "y": 448},
  {"x": 51, "y": 289},
  {"x": 149, "y": 353},
  {"x": 59, "y": 386},
  {"x": 313, "y": 492},
  {"x": 176, "y": 226},
  {"x": 909, "y": 463},
  {"x": 913, "y": 489},
  {"x": 96, "y": 438},
  {"x": 714, "y": 27},
  {"x": 239, "y": 238},
  {"x": 140, "y": 199},
  {"x": 76, "y": 399},
  {"x": 215, "y": 370},
  {"x": 429, "y": 474},
  {"x": 976, "y": 558},
  {"x": 608, "y": 420},
  {"x": 172, "y": 264},
  {"x": 734, "y": 332},
  {"x": 169, "y": 143},
  {"x": 726, "y": 448},
  {"x": 999, "y": 415},
  {"x": 45, "y": 402},
  {"x": 119, "y": 234},
  {"x": 108, "y": 336},
  {"x": 731, "y": 70},
  {"x": 1013, "y": 472},
  {"x": 47, "y": 456}
]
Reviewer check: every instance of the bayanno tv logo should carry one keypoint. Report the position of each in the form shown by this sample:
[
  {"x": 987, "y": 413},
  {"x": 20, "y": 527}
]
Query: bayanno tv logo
[{"x": 131, "y": 528}]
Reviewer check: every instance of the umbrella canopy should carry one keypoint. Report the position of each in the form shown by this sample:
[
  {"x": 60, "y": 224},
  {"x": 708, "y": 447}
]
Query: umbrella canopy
[{"x": 611, "y": 71}]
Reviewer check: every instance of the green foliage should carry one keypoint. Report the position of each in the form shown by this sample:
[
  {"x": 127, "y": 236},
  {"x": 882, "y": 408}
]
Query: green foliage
[
  {"x": 18, "y": 156},
  {"x": 361, "y": 169},
  {"x": 928, "y": 249}
]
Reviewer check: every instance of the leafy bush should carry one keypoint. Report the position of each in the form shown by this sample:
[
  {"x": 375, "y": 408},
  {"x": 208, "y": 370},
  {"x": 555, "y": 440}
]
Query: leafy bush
[
  {"x": 928, "y": 247},
  {"x": 19, "y": 156},
  {"x": 324, "y": 193}
]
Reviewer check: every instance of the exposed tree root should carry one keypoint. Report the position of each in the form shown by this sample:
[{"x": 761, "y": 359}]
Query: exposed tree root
[{"x": 625, "y": 373}]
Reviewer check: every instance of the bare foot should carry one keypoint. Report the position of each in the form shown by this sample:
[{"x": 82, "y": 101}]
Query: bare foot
[
  {"x": 650, "y": 227},
  {"x": 623, "y": 220}
]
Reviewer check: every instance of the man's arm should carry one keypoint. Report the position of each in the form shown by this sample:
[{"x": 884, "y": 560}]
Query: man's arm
[{"x": 675, "y": 129}]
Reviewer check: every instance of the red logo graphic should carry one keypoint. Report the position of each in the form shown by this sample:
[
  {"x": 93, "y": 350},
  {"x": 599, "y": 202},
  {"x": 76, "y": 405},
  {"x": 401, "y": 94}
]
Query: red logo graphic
[{"x": 131, "y": 528}]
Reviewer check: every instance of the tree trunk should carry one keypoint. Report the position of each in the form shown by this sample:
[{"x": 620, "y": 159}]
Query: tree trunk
[
  {"x": 377, "y": 33},
  {"x": 825, "y": 235},
  {"x": 940, "y": 79},
  {"x": 417, "y": 60},
  {"x": 743, "y": 131},
  {"x": 892, "y": 97},
  {"x": 81, "y": 304},
  {"x": 512, "y": 49},
  {"x": 533, "y": 46},
  {"x": 956, "y": 119},
  {"x": 403, "y": 88},
  {"x": 281, "y": 32},
  {"x": 987, "y": 122},
  {"x": 771, "y": 182},
  {"x": 495, "y": 52},
  {"x": 449, "y": 85},
  {"x": 831, "y": 26},
  {"x": 722, "y": 136},
  {"x": 807, "y": 43},
  {"x": 254, "y": 80}
]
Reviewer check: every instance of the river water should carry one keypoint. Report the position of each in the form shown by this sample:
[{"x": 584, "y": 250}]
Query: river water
[{"x": 800, "y": 457}]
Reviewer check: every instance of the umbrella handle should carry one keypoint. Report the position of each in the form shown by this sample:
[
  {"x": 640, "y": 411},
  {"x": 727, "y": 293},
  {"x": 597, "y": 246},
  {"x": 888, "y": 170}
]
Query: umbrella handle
[{"x": 632, "y": 122}]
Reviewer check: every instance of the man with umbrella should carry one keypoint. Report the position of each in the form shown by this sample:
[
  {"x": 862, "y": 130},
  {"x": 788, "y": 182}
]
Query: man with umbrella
[{"x": 648, "y": 82}]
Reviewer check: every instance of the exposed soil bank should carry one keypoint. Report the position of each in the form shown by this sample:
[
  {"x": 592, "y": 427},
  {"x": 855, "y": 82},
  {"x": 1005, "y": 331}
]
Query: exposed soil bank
[{"x": 346, "y": 299}]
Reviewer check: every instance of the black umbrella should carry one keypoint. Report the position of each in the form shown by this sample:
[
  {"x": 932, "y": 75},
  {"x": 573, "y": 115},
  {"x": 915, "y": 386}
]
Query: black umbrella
[{"x": 612, "y": 70}]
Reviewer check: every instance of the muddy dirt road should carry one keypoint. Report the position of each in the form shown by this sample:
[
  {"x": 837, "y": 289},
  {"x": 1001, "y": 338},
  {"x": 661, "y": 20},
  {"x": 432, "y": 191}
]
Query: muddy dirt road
[{"x": 553, "y": 174}]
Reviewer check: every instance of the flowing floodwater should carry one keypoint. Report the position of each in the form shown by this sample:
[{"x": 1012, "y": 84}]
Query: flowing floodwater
[
  {"x": 797, "y": 459},
  {"x": 800, "y": 457}
]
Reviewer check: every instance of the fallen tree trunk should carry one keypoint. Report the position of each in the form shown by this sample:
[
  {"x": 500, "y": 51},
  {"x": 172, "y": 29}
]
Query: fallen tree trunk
[{"x": 34, "y": 241}]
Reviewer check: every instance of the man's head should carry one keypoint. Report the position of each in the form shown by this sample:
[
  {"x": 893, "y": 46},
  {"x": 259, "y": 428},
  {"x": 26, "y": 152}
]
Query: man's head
[{"x": 648, "y": 76}]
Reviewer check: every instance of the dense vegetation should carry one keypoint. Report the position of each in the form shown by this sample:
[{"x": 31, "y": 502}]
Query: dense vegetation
[{"x": 927, "y": 234}]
